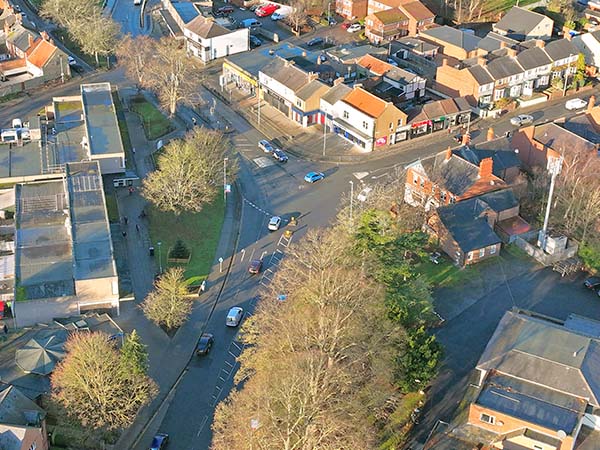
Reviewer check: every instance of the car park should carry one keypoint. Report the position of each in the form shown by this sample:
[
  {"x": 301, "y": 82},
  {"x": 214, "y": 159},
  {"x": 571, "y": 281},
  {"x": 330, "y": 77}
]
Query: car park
[
  {"x": 159, "y": 441},
  {"x": 592, "y": 282},
  {"x": 234, "y": 316},
  {"x": 265, "y": 146},
  {"x": 249, "y": 23},
  {"x": 225, "y": 10},
  {"x": 204, "y": 344},
  {"x": 575, "y": 103},
  {"x": 266, "y": 10},
  {"x": 347, "y": 25},
  {"x": 280, "y": 156},
  {"x": 254, "y": 41},
  {"x": 255, "y": 266},
  {"x": 521, "y": 119},
  {"x": 274, "y": 223},
  {"x": 315, "y": 41},
  {"x": 354, "y": 28},
  {"x": 313, "y": 177}
]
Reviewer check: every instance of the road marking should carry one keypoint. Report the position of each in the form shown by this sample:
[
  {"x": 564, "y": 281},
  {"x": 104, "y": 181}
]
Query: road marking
[
  {"x": 202, "y": 425},
  {"x": 263, "y": 162},
  {"x": 258, "y": 208}
]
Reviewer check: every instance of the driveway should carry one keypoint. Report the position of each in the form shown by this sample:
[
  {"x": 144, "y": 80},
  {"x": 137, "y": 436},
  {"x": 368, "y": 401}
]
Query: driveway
[{"x": 465, "y": 335}]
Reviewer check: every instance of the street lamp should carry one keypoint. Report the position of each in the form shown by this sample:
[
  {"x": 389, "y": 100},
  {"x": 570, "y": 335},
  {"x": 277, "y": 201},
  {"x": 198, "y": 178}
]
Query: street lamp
[
  {"x": 159, "y": 243},
  {"x": 258, "y": 98},
  {"x": 225, "y": 178},
  {"x": 567, "y": 75},
  {"x": 324, "y": 134},
  {"x": 554, "y": 166},
  {"x": 351, "y": 199}
]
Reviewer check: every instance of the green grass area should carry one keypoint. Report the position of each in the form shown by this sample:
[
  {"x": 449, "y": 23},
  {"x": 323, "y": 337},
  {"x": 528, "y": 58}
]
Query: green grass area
[
  {"x": 399, "y": 424},
  {"x": 9, "y": 97},
  {"x": 112, "y": 208},
  {"x": 154, "y": 122},
  {"x": 129, "y": 161},
  {"x": 445, "y": 273},
  {"x": 200, "y": 233}
]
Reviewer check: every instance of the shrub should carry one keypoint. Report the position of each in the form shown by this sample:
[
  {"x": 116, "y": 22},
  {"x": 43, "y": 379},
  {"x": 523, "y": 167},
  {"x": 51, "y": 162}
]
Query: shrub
[
  {"x": 179, "y": 251},
  {"x": 590, "y": 255}
]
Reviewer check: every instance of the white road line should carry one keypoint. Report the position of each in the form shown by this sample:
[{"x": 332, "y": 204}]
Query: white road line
[
  {"x": 202, "y": 425},
  {"x": 252, "y": 254}
]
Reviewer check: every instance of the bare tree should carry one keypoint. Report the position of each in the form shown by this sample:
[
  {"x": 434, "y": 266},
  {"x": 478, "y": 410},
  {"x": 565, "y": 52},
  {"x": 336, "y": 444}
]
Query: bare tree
[
  {"x": 169, "y": 304},
  {"x": 69, "y": 14},
  {"x": 135, "y": 55},
  {"x": 189, "y": 173}
]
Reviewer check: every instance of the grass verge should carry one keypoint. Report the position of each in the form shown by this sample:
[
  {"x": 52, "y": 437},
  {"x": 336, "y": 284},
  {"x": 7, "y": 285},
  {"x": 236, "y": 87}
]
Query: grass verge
[
  {"x": 200, "y": 233},
  {"x": 154, "y": 122},
  {"x": 9, "y": 97},
  {"x": 399, "y": 424},
  {"x": 445, "y": 273},
  {"x": 65, "y": 38},
  {"x": 124, "y": 130},
  {"x": 112, "y": 208}
]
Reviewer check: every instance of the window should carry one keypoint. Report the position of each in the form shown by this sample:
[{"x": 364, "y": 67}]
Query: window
[
  {"x": 346, "y": 114},
  {"x": 487, "y": 418},
  {"x": 399, "y": 122},
  {"x": 470, "y": 256},
  {"x": 415, "y": 179},
  {"x": 498, "y": 94},
  {"x": 443, "y": 196},
  {"x": 482, "y": 252},
  {"x": 492, "y": 249},
  {"x": 391, "y": 126},
  {"x": 365, "y": 125},
  {"x": 452, "y": 199},
  {"x": 299, "y": 103}
]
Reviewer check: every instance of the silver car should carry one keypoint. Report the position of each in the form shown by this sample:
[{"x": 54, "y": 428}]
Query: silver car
[
  {"x": 521, "y": 119},
  {"x": 274, "y": 223},
  {"x": 234, "y": 316}
]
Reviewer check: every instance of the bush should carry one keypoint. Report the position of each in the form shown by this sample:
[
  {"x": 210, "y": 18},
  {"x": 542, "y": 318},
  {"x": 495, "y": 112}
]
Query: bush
[
  {"x": 590, "y": 255},
  {"x": 179, "y": 251}
]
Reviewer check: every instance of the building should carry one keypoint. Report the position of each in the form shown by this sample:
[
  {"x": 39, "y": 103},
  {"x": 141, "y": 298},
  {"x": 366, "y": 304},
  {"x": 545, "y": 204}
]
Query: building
[
  {"x": 446, "y": 178},
  {"x": 177, "y": 14},
  {"x": 522, "y": 24},
  {"x": 418, "y": 15},
  {"x": 392, "y": 82},
  {"x": 536, "y": 386},
  {"x": 328, "y": 101},
  {"x": 415, "y": 46},
  {"x": 436, "y": 116},
  {"x": 208, "y": 41},
  {"x": 351, "y": 9},
  {"x": 64, "y": 261},
  {"x": 22, "y": 422},
  {"x": 452, "y": 41},
  {"x": 589, "y": 45},
  {"x": 385, "y": 26},
  {"x": 366, "y": 120}
]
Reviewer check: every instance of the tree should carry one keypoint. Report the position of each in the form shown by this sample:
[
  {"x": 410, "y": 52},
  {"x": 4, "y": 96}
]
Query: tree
[
  {"x": 169, "y": 303},
  {"x": 135, "y": 55},
  {"x": 92, "y": 387},
  {"x": 417, "y": 363},
  {"x": 134, "y": 356},
  {"x": 189, "y": 173},
  {"x": 69, "y": 14},
  {"x": 98, "y": 36}
]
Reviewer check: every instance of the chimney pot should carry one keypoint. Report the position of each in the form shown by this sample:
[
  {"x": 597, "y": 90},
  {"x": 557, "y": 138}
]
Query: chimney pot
[
  {"x": 445, "y": 62},
  {"x": 448, "y": 153},
  {"x": 486, "y": 167},
  {"x": 539, "y": 43},
  {"x": 591, "y": 103},
  {"x": 490, "y": 134},
  {"x": 503, "y": 44},
  {"x": 337, "y": 81},
  {"x": 512, "y": 52}
]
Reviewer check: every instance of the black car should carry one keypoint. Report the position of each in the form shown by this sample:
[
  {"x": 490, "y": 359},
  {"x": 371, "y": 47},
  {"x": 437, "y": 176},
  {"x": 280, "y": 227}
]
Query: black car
[
  {"x": 160, "y": 441},
  {"x": 280, "y": 156},
  {"x": 592, "y": 282},
  {"x": 204, "y": 344},
  {"x": 315, "y": 41},
  {"x": 254, "y": 41},
  {"x": 225, "y": 10}
]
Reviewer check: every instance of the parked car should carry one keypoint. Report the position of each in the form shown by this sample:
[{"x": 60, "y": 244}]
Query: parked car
[
  {"x": 312, "y": 177},
  {"x": 255, "y": 266},
  {"x": 255, "y": 7},
  {"x": 315, "y": 41},
  {"x": 592, "y": 282},
  {"x": 332, "y": 22},
  {"x": 362, "y": 196},
  {"x": 225, "y": 10},
  {"x": 347, "y": 25},
  {"x": 204, "y": 344},
  {"x": 265, "y": 146},
  {"x": 521, "y": 119},
  {"x": 354, "y": 28},
  {"x": 274, "y": 223},
  {"x": 159, "y": 441},
  {"x": 254, "y": 41},
  {"x": 266, "y": 10},
  {"x": 575, "y": 103},
  {"x": 71, "y": 60},
  {"x": 234, "y": 316},
  {"x": 435, "y": 257},
  {"x": 281, "y": 14},
  {"x": 280, "y": 156},
  {"x": 249, "y": 23}
]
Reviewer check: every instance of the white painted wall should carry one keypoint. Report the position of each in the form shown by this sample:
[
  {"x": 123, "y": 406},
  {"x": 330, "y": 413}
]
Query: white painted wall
[{"x": 355, "y": 117}]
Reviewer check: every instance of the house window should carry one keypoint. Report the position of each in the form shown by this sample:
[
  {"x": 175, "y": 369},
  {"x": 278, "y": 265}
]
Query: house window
[
  {"x": 365, "y": 125},
  {"x": 470, "y": 256},
  {"x": 498, "y": 94},
  {"x": 482, "y": 252},
  {"x": 443, "y": 196},
  {"x": 391, "y": 126},
  {"x": 346, "y": 114},
  {"x": 399, "y": 122},
  {"x": 299, "y": 103},
  {"x": 492, "y": 249},
  {"x": 486, "y": 417},
  {"x": 415, "y": 179}
]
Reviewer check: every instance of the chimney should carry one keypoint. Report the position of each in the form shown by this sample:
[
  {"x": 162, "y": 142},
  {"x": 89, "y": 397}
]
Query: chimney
[
  {"x": 466, "y": 139},
  {"x": 448, "y": 153},
  {"x": 30, "y": 40},
  {"x": 539, "y": 43},
  {"x": 490, "y": 134},
  {"x": 444, "y": 62},
  {"x": 485, "y": 167},
  {"x": 6, "y": 27},
  {"x": 482, "y": 61},
  {"x": 337, "y": 81},
  {"x": 591, "y": 103},
  {"x": 512, "y": 52},
  {"x": 503, "y": 44},
  {"x": 45, "y": 36}
]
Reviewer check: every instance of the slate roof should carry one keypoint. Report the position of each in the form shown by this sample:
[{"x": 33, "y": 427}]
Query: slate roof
[
  {"x": 519, "y": 21},
  {"x": 455, "y": 175},
  {"x": 467, "y": 224},
  {"x": 480, "y": 74},
  {"x": 391, "y": 16},
  {"x": 18, "y": 409},
  {"x": 286, "y": 73},
  {"x": 206, "y": 28},
  {"x": 561, "y": 49},
  {"x": 493, "y": 41},
  {"x": 416, "y": 44},
  {"x": 545, "y": 353},
  {"x": 503, "y": 67},
  {"x": 453, "y": 36},
  {"x": 532, "y": 58},
  {"x": 19, "y": 37},
  {"x": 336, "y": 93},
  {"x": 581, "y": 126},
  {"x": 500, "y": 150},
  {"x": 308, "y": 90},
  {"x": 559, "y": 139}
]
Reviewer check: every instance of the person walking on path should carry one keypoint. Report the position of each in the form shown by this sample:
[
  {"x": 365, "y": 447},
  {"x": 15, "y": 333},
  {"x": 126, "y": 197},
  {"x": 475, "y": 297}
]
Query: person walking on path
[{"x": 5, "y": 328}]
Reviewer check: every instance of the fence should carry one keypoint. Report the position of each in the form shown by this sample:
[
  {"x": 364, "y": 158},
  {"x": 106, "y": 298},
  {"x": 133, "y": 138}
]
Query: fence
[{"x": 544, "y": 258}]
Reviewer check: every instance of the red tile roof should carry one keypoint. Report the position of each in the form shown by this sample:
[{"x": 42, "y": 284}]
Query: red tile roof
[
  {"x": 366, "y": 102},
  {"x": 416, "y": 10},
  {"x": 40, "y": 52},
  {"x": 375, "y": 65}
]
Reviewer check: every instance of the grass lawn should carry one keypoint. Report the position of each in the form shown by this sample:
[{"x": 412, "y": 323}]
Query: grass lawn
[
  {"x": 445, "y": 273},
  {"x": 200, "y": 233},
  {"x": 155, "y": 123},
  {"x": 112, "y": 208},
  {"x": 75, "y": 48},
  {"x": 129, "y": 162}
]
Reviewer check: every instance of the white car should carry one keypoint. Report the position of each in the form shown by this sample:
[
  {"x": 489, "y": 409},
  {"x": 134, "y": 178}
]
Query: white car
[
  {"x": 234, "y": 316},
  {"x": 71, "y": 61},
  {"x": 575, "y": 103},
  {"x": 362, "y": 196},
  {"x": 274, "y": 223},
  {"x": 265, "y": 146},
  {"x": 279, "y": 15},
  {"x": 354, "y": 28},
  {"x": 521, "y": 119}
]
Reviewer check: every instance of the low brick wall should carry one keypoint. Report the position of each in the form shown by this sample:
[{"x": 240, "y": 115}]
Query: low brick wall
[{"x": 543, "y": 257}]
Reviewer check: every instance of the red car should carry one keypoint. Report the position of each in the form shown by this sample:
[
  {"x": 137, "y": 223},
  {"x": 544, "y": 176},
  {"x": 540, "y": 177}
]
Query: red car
[
  {"x": 346, "y": 25},
  {"x": 266, "y": 10}
]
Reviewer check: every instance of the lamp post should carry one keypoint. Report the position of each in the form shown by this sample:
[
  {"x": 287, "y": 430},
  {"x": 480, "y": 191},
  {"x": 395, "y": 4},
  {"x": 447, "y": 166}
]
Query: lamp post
[
  {"x": 159, "y": 243},
  {"x": 351, "y": 200},
  {"x": 258, "y": 98},
  {"x": 324, "y": 134},
  {"x": 554, "y": 166},
  {"x": 225, "y": 178}
]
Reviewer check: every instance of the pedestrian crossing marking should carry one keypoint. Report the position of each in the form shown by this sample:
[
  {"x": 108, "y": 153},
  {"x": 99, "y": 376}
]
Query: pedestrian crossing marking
[{"x": 263, "y": 162}]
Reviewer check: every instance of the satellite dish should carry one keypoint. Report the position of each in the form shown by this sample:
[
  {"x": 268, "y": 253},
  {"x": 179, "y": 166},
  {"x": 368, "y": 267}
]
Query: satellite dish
[{"x": 561, "y": 434}]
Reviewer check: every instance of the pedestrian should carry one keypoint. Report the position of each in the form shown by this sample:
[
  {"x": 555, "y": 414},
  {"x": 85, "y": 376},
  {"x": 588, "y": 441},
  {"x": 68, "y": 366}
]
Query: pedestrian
[
  {"x": 124, "y": 233},
  {"x": 131, "y": 190},
  {"x": 125, "y": 220},
  {"x": 133, "y": 150},
  {"x": 194, "y": 121},
  {"x": 5, "y": 329},
  {"x": 137, "y": 228}
]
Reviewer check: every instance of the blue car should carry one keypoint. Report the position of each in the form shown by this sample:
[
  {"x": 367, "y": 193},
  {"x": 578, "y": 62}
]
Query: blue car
[
  {"x": 160, "y": 441},
  {"x": 312, "y": 177}
]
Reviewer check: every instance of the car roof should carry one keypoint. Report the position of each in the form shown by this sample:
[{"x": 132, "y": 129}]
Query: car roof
[
  {"x": 235, "y": 310},
  {"x": 275, "y": 218}
]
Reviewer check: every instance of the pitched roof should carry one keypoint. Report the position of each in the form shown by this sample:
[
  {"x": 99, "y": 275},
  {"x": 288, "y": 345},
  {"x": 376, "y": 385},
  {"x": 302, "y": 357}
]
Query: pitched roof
[
  {"x": 519, "y": 21},
  {"x": 533, "y": 57},
  {"x": 336, "y": 93},
  {"x": 561, "y": 49},
  {"x": 494, "y": 41},
  {"x": 308, "y": 90},
  {"x": 582, "y": 126},
  {"x": 499, "y": 150},
  {"x": 366, "y": 102},
  {"x": 286, "y": 73},
  {"x": 453, "y": 36},
  {"x": 17, "y": 409},
  {"x": 390, "y": 16},
  {"x": 375, "y": 65},
  {"x": 557, "y": 138},
  {"x": 504, "y": 67},
  {"x": 545, "y": 353},
  {"x": 466, "y": 221},
  {"x": 455, "y": 174},
  {"x": 41, "y": 52},
  {"x": 19, "y": 37},
  {"x": 416, "y": 10},
  {"x": 206, "y": 28},
  {"x": 481, "y": 75}
]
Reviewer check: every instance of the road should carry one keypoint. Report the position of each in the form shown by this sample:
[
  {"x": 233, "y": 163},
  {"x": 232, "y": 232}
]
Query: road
[{"x": 126, "y": 14}]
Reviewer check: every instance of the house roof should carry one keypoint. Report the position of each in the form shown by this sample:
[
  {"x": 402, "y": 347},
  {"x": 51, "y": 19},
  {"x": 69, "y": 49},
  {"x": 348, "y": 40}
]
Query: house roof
[
  {"x": 336, "y": 93},
  {"x": 390, "y": 16},
  {"x": 18, "y": 409},
  {"x": 500, "y": 200},
  {"x": 206, "y": 28},
  {"x": 455, "y": 174},
  {"x": 494, "y": 41},
  {"x": 458, "y": 38},
  {"x": 503, "y": 156},
  {"x": 519, "y": 21},
  {"x": 41, "y": 52},
  {"x": 416, "y": 10},
  {"x": 582, "y": 126},
  {"x": 350, "y": 52},
  {"x": 186, "y": 10},
  {"x": 415, "y": 44},
  {"x": 561, "y": 49},
  {"x": 374, "y": 65},
  {"x": 308, "y": 90},
  {"x": 560, "y": 139},
  {"x": 481, "y": 75},
  {"x": 286, "y": 73},
  {"x": 467, "y": 223},
  {"x": 504, "y": 67},
  {"x": 545, "y": 353},
  {"x": 366, "y": 102},
  {"x": 533, "y": 57}
]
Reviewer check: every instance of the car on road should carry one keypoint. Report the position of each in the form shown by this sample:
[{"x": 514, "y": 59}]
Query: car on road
[
  {"x": 315, "y": 41},
  {"x": 204, "y": 344},
  {"x": 159, "y": 441},
  {"x": 71, "y": 60},
  {"x": 592, "y": 282},
  {"x": 234, "y": 316},
  {"x": 274, "y": 223},
  {"x": 354, "y": 28},
  {"x": 265, "y": 146},
  {"x": 575, "y": 103},
  {"x": 266, "y": 10},
  {"x": 312, "y": 177},
  {"x": 521, "y": 119},
  {"x": 362, "y": 196},
  {"x": 280, "y": 156},
  {"x": 255, "y": 266},
  {"x": 435, "y": 257},
  {"x": 254, "y": 41},
  {"x": 225, "y": 10}
]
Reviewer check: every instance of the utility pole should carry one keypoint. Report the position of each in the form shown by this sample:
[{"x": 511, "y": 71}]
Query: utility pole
[
  {"x": 159, "y": 243},
  {"x": 567, "y": 75},
  {"x": 258, "y": 97},
  {"x": 554, "y": 166},
  {"x": 225, "y": 178},
  {"x": 62, "y": 72},
  {"x": 351, "y": 200}
]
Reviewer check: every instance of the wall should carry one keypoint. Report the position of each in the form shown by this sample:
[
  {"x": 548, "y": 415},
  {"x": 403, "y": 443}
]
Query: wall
[
  {"x": 455, "y": 82},
  {"x": 382, "y": 126},
  {"x": 43, "y": 311},
  {"x": 229, "y": 44},
  {"x": 444, "y": 239},
  {"x": 97, "y": 289},
  {"x": 544, "y": 258},
  {"x": 475, "y": 258},
  {"x": 508, "y": 213},
  {"x": 110, "y": 163},
  {"x": 7, "y": 198},
  {"x": 351, "y": 8}
]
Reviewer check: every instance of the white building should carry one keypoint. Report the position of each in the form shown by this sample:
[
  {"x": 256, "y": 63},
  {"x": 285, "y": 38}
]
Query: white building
[{"x": 208, "y": 40}]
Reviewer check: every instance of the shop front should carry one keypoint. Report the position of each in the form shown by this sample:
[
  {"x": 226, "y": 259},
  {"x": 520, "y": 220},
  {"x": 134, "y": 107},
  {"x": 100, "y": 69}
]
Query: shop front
[{"x": 351, "y": 134}]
